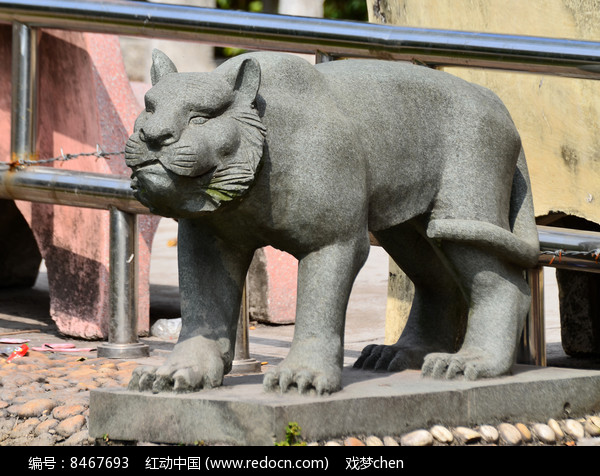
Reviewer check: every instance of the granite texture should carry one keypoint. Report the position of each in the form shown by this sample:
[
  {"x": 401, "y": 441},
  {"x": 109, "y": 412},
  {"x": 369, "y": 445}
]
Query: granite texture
[
  {"x": 270, "y": 150},
  {"x": 241, "y": 413}
]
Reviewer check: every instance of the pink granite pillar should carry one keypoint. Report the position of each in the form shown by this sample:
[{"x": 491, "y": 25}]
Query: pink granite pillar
[
  {"x": 271, "y": 287},
  {"x": 84, "y": 99}
]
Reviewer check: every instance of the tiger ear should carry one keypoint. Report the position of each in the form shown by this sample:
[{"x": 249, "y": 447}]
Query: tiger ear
[
  {"x": 161, "y": 65},
  {"x": 247, "y": 80}
]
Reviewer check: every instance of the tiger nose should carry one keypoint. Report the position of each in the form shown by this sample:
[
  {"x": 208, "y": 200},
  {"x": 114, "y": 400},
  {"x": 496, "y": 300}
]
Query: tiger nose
[{"x": 157, "y": 137}]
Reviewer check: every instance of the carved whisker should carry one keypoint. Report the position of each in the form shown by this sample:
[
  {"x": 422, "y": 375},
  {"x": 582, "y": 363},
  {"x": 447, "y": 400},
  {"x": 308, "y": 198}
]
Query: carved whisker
[{"x": 185, "y": 161}]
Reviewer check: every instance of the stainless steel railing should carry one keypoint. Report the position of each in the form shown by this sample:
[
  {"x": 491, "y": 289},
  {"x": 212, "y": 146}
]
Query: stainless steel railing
[
  {"x": 325, "y": 38},
  {"x": 309, "y": 35}
]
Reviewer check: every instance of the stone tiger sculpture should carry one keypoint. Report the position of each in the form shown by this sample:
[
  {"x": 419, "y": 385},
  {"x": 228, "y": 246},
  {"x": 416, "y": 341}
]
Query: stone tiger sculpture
[{"x": 271, "y": 150}]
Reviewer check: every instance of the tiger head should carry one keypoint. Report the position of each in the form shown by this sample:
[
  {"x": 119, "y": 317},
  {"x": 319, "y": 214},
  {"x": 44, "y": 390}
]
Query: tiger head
[{"x": 199, "y": 141}]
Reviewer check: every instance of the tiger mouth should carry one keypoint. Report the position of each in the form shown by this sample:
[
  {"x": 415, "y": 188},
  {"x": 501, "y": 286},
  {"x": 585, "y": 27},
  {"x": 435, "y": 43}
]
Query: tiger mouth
[
  {"x": 159, "y": 168},
  {"x": 168, "y": 194},
  {"x": 173, "y": 164},
  {"x": 153, "y": 180}
]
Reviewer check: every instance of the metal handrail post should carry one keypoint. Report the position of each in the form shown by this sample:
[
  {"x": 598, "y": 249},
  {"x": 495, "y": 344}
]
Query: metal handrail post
[
  {"x": 532, "y": 349},
  {"x": 24, "y": 79},
  {"x": 123, "y": 268},
  {"x": 242, "y": 362}
]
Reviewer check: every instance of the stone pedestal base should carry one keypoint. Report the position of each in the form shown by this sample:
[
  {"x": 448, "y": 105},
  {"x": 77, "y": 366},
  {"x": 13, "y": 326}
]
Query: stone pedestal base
[{"x": 370, "y": 403}]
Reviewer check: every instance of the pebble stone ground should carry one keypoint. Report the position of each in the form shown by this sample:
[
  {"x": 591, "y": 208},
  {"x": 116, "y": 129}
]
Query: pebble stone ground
[
  {"x": 44, "y": 396},
  {"x": 44, "y": 401}
]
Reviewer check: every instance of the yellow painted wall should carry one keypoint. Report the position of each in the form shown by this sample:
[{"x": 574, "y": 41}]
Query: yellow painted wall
[{"x": 558, "y": 118}]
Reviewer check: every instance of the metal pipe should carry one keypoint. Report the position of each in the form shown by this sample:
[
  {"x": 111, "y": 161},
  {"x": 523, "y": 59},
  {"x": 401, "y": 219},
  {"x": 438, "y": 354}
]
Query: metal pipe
[
  {"x": 583, "y": 264},
  {"x": 123, "y": 268},
  {"x": 561, "y": 57},
  {"x": 242, "y": 362},
  {"x": 24, "y": 92},
  {"x": 68, "y": 187},
  {"x": 577, "y": 249},
  {"x": 532, "y": 349},
  {"x": 553, "y": 238},
  {"x": 102, "y": 191}
]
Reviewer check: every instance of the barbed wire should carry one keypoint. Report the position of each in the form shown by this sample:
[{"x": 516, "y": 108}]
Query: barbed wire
[
  {"x": 99, "y": 153},
  {"x": 595, "y": 253}
]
